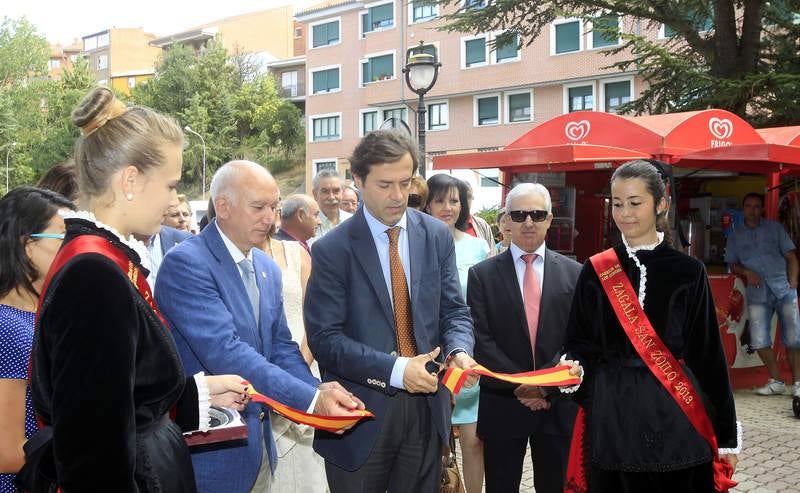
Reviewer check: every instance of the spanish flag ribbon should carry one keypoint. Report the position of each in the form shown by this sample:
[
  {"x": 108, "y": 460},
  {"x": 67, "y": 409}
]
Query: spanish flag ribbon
[
  {"x": 556, "y": 376},
  {"x": 319, "y": 422}
]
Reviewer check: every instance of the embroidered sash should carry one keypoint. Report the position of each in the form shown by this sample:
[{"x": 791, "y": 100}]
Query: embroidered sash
[{"x": 661, "y": 363}]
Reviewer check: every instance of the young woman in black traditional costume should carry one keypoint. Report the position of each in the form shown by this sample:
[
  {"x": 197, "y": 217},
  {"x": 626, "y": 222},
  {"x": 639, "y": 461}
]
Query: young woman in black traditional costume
[
  {"x": 638, "y": 437},
  {"x": 105, "y": 372}
]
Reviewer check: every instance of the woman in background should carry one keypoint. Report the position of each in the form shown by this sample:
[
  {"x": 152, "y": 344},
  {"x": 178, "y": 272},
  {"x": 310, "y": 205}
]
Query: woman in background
[
  {"x": 447, "y": 201},
  {"x": 31, "y": 231},
  {"x": 300, "y": 469}
]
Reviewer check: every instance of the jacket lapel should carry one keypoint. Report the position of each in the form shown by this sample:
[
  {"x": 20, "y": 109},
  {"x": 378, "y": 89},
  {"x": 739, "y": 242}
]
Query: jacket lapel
[
  {"x": 367, "y": 256},
  {"x": 416, "y": 252},
  {"x": 231, "y": 278},
  {"x": 507, "y": 273}
]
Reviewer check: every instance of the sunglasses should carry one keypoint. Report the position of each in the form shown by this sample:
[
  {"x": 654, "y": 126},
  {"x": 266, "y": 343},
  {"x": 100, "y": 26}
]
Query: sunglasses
[
  {"x": 55, "y": 236},
  {"x": 536, "y": 216},
  {"x": 414, "y": 200}
]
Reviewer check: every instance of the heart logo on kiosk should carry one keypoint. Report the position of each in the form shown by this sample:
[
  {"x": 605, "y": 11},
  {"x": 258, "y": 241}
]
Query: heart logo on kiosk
[
  {"x": 577, "y": 130},
  {"x": 721, "y": 128}
]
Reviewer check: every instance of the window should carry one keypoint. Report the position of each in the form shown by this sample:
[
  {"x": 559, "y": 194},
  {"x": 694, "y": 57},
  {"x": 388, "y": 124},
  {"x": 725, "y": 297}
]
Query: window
[
  {"x": 326, "y": 127},
  {"x": 289, "y": 83},
  {"x": 73, "y": 58},
  {"x": 701, "y": 23},
  {"x": 475, "y": 52},
  {"x": 102, "y": 40},
  {"x": 487, "y": 110},
  {"x": 475, "y": 4},
  {"x": 325, "y": 34},
  {"x": 421, "y": 13},
  {"x": 323, "y": 164},
  {"x": 567, "y": 37},
  {"x": 508, "y": 51},
  {"x": 369, "y": 122},
  {"x": 519, "y": 107},
  {"x": 325, "y": 80},
  {"x": 580, "y": 98},
  {"x": 377, "y": 68},
  {"x": 102, "y": 62},
  {"x": 397, "y": 113},
  {"x": 438, "y": 119},
  {"x": 605, "y": 31},
  {"x": 490, "y": 178},
  {"x": 616, "y": 94},
  {"x": 377, "y": 18},
  {"x": 89, "y": 43},
  {"x": 298, "y": 32},
  {"x": 54, "y": 64},
  {"x": 131, "y": 82},
  {"x": 102, "y": 82}
]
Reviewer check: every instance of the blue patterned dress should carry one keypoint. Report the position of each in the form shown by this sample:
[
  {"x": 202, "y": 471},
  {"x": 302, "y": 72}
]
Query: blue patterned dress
[{"x": 16, "y": 339}]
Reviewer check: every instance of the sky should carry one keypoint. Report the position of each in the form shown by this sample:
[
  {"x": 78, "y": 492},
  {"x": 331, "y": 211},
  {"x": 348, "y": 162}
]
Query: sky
[{"x": 62, "y": 21}]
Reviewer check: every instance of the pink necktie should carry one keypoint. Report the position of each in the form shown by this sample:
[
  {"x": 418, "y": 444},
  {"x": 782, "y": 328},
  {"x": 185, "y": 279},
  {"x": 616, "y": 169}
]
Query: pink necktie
[{"x": 532, "y": 295}]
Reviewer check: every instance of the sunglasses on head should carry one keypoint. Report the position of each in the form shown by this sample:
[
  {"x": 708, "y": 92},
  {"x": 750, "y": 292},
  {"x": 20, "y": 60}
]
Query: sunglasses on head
[
  {"x": 536, "y": 216},
  {"x": 55, "y": 236},
  {"x": 414, "y": 200}
]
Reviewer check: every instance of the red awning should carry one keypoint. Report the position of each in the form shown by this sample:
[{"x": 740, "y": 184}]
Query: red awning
[
  {"x": 781, "y": 135},
  {"x": 587, "y": 140},
  {"x": 575, "y": 157}
]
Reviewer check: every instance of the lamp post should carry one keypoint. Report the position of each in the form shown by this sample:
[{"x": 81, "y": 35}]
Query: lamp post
[
  {"x": 8, "y": 154},
  {"x": 421, "y": 71},
  {"x": 189, "y": 129}
]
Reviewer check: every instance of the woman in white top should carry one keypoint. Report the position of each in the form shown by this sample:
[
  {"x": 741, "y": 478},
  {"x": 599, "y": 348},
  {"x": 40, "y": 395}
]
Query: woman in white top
[{"x": 300, "y": 469}]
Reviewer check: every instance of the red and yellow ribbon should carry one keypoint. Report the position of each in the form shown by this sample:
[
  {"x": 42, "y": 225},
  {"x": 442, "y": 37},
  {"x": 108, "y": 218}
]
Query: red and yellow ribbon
[
  {"x": 556, "y": 376},
  {"x": 319, "y": 422}
]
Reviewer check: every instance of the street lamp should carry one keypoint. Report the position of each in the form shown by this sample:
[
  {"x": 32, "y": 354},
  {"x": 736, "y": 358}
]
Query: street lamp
[
  {"x": 421, "y": 71},
  {"x": 189, "y": 129},
  {"x": 8, "y": 153}
]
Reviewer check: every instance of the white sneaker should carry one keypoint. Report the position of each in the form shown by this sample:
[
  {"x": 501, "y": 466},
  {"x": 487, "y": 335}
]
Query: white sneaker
[
  {"x": 773, "y": 387},
  {"x": 796, "y": 389}
]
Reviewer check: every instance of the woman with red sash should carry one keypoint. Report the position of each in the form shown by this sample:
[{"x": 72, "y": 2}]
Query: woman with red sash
[
  {"x": 658, "y": 411},
  {"x": 105, "y": 373}
]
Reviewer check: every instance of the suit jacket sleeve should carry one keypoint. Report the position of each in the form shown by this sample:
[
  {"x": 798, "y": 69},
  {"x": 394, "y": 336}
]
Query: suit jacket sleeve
[
  {"x": 189, "y": 297},
  {"x": 326, "y": 316},
  {"x": 455, "y": 322},
  {"x": 91, "y": 331}
]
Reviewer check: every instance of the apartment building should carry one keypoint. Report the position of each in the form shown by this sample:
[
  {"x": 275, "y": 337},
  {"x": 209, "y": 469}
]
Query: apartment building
[
  {"x": 484, "y": 98},
  {"x": 266, "y": 34},
  {"x": 290, "y": 73},
  {"x": 121, "y": 57},
  {"x": 62, "y": 58}
]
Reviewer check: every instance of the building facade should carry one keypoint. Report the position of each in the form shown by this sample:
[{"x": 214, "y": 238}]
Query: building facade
[
  {"x": 485, "y": 96},
  {"x": 62, "y": 58},
  {"x": 121, "y": 57}
]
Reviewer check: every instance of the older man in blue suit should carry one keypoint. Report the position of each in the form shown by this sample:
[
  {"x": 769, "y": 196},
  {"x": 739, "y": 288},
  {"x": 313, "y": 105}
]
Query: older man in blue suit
[
  {"x": 222, "y": 297},
  {"x": 384, "y": 301}
]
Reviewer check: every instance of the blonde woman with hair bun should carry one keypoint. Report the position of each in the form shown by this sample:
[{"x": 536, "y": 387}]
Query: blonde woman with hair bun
[{"x": 106, "y": 377}]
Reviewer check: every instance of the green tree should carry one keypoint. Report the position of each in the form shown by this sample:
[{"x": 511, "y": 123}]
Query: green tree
[
  {"x": 719, "y": 53},
  {"x": 23, "y": 51}
]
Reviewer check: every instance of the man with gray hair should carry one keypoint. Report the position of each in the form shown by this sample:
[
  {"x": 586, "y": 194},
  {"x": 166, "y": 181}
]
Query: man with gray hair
[
  {"x": 327, "y": 189},
  {"x": 300, "y": 218},
  {"x": 513, "y": 335},
  {"x": 221, "y": 294}
]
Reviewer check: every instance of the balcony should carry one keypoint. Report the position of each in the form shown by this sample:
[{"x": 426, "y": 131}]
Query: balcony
[{"x": 292, "y": 91}]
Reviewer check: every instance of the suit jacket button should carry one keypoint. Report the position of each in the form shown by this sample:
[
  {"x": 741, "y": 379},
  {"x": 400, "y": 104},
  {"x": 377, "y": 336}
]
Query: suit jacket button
[
  {"x": 262, "y": 416},
  {"x": 393, "y": 353}
]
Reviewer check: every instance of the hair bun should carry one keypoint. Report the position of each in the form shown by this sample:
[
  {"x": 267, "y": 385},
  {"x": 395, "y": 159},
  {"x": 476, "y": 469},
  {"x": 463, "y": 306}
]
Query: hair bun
[{"x": 96, "y": 110}]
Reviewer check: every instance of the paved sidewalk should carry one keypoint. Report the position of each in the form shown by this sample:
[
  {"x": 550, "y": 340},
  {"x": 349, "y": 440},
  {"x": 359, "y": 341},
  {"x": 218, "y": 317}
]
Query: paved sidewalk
[{"x": 770, "y": 459}]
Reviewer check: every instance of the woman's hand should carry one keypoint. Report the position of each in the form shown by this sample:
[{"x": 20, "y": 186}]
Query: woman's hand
[
  {"x": 732, "y": 459},
  {"x": 228, "y": 391}
]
